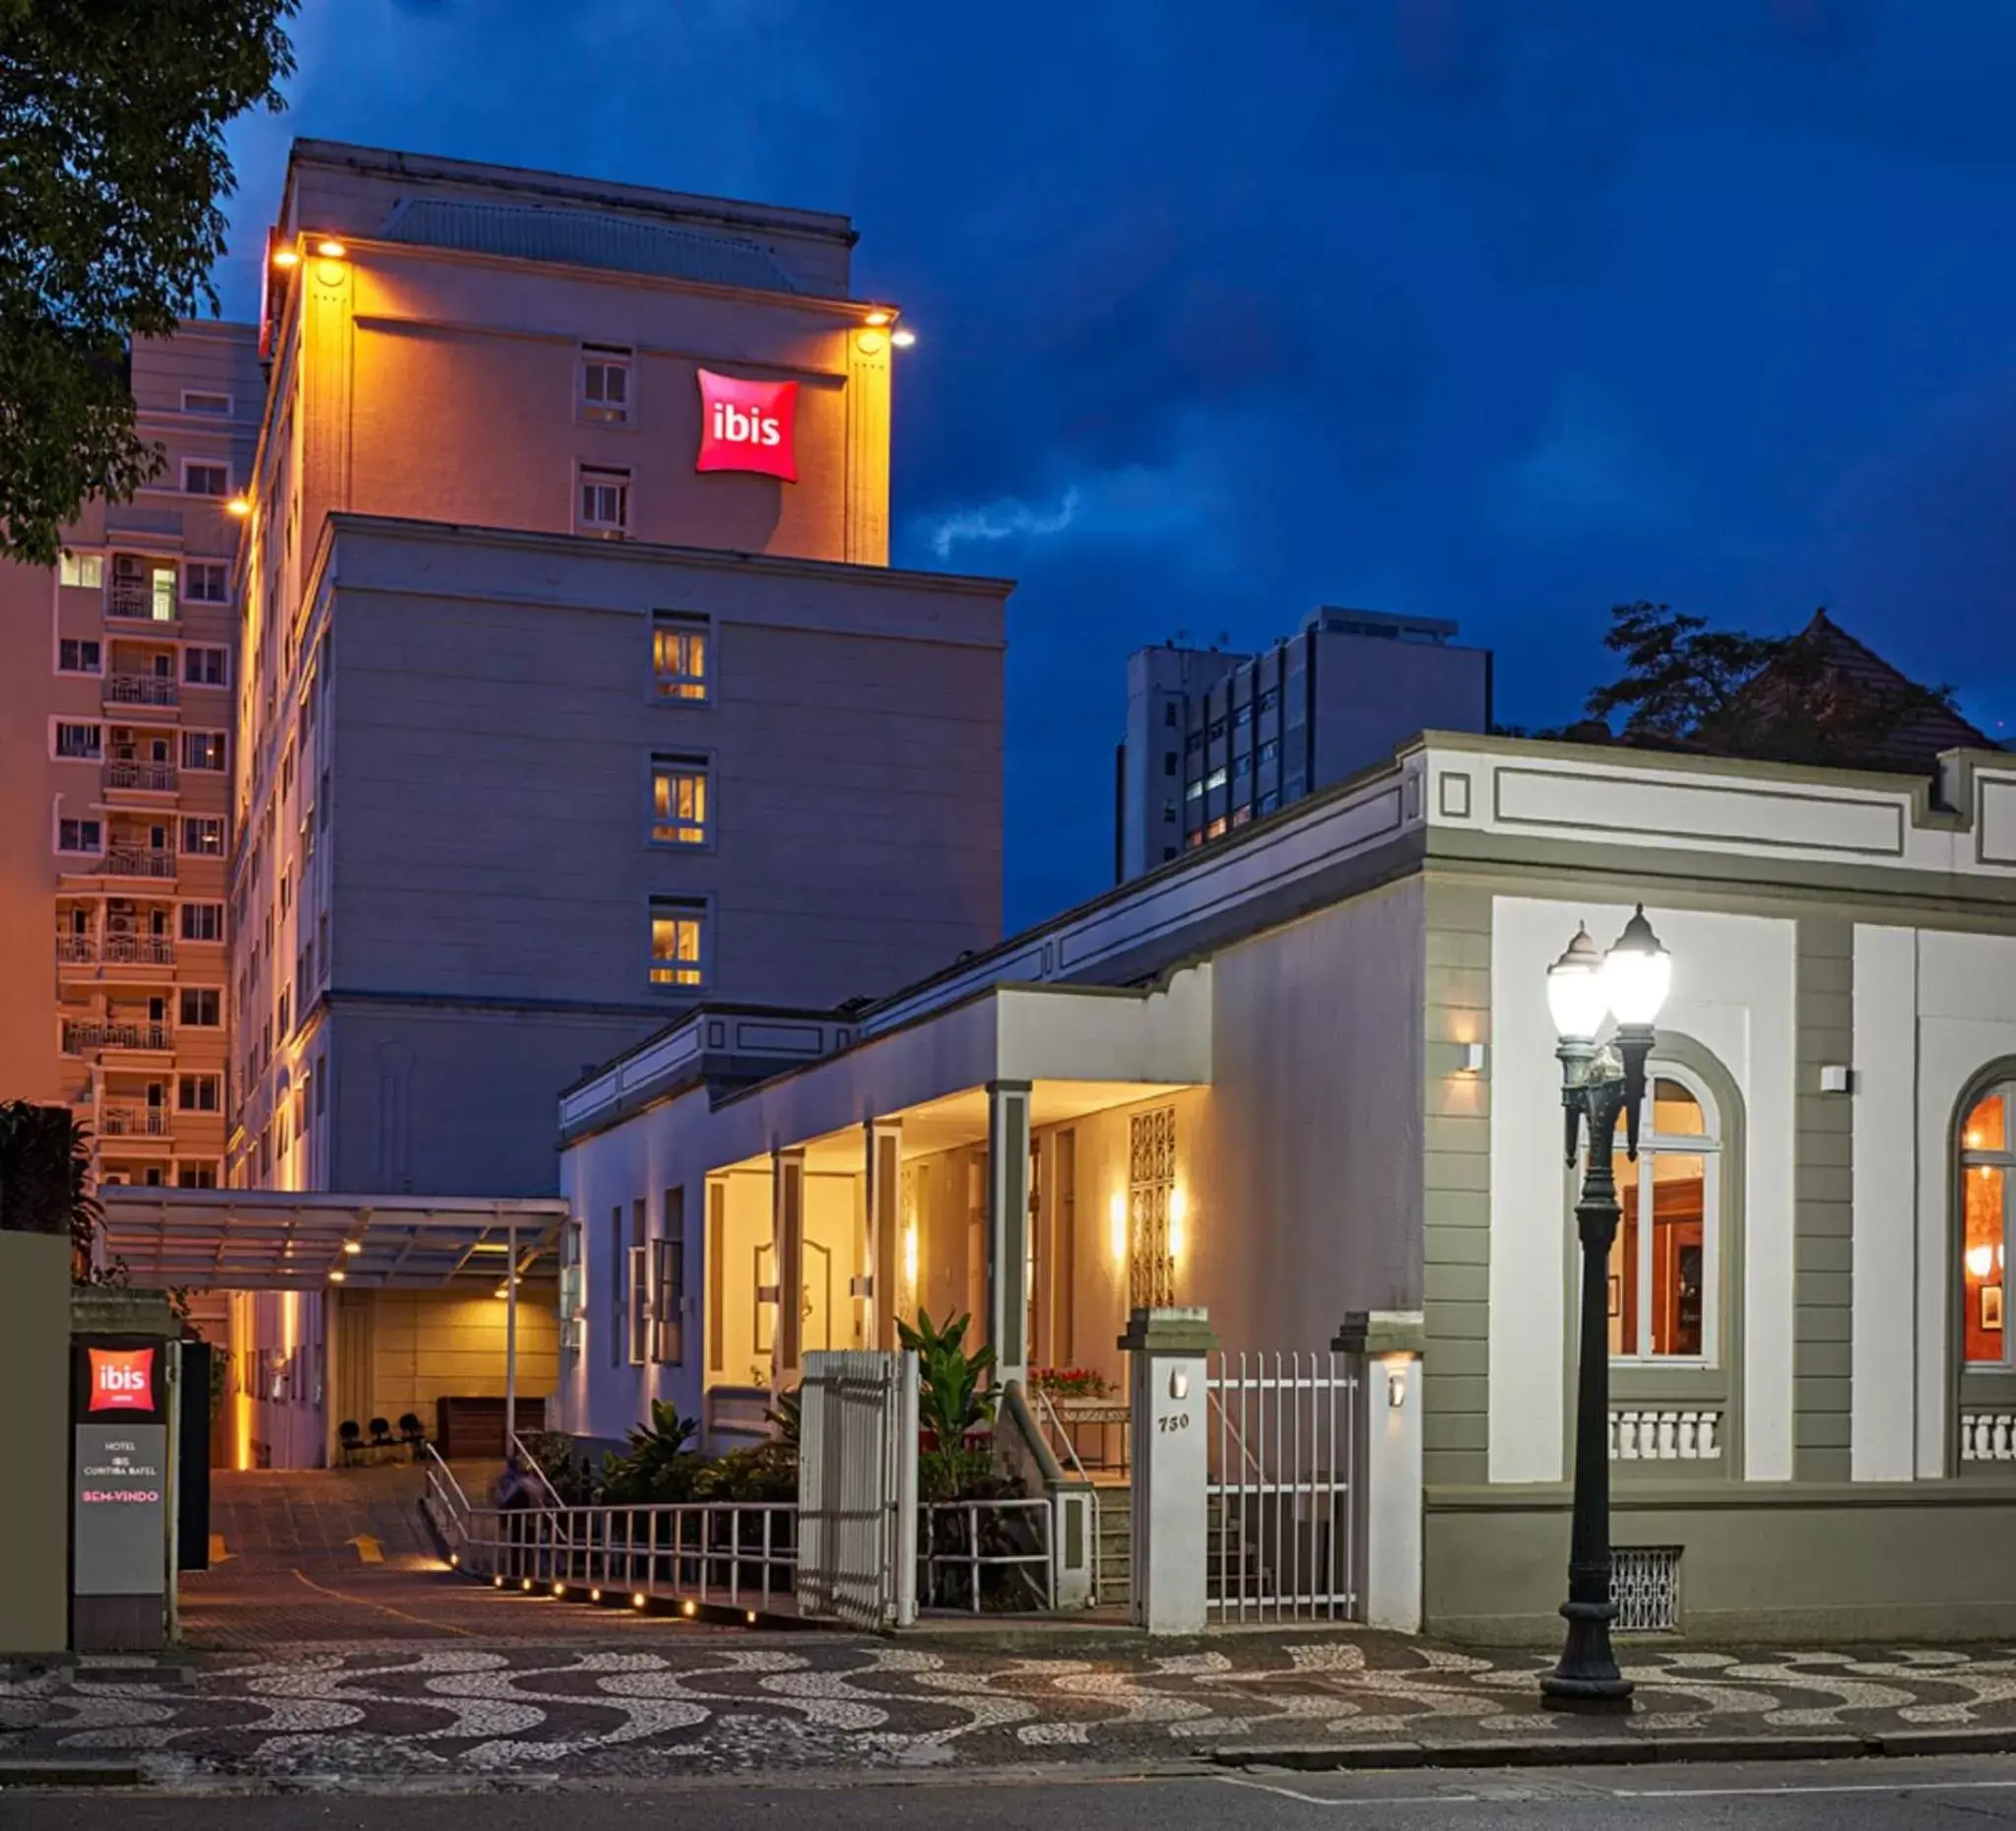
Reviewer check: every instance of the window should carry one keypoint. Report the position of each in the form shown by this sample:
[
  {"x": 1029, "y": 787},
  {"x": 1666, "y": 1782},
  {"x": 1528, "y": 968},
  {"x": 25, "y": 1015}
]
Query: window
[
  {"x": 618, "y": 1260},
  {"x": 205, "y": 667},
  {"x": 1270, "y": 750},
  {"x": 679, "y": 800},
  {"x": 160, "y": 601},
  {"x": 1985, "y": 1166},
  {"x": 80, "y": 836},
  {"x": 80, "y": 742},
  {"x": 203, "y": 921},
  {"x": 573, "y": 1292},
  {"x": 205, "y": 581},
  {"x": 1242, "y": 764},
  {"x": 202, "y": 750},
  {"x": 1168, "y": 814},
  {"x": 85, "y": 569},
  {"x": 1168, "y": 762},
  {"x": 210, "y": 405},
  {"x": 1666, "y": 1261},
  {"x": 679, "y": 934},
  {"x": 203, "y": 1006},
  {"x": 1169, "y": 713},
  {"x": 203, "y": 477},
  {"x": 198, "y": 1094},
  {"x": 1216, "y": 828},
  {"x": 604, "y": 384},
  {"x": 80, "y": 655},
  {"x": 1215, "y": 780},
  {"x": 196, "y": 1176},
  {"x": 203, "y": 837},
  {"x": 283, "y": 1028},
  {"x": 605, "y": 502},
  {"x": 679, "y": 655},
  {"x": 1194, "y": 790},
  {"x": 668, "y": 1283}
]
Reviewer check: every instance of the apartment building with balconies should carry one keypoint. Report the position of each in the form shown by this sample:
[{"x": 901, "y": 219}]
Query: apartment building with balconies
[
  {"x": 575, "y": 684},
  {"x": 115, "y": 722}
]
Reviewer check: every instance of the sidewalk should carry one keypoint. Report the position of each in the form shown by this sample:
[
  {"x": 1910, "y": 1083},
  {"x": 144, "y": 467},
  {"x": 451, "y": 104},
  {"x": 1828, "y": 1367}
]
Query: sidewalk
[{"x": 676, "y": 1704}]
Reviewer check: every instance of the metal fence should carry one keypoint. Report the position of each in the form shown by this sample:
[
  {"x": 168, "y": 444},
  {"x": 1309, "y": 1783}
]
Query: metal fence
[
  {"x": 984, "y": 1554},
  {"x": 1282, "y": 1539}
]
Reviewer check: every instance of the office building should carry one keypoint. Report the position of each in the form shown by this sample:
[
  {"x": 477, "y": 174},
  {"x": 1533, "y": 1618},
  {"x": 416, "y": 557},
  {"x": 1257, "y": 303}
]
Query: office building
[
  {"x": 576, "y": 684},
  {"x": 115, "y": 720},
  {"x": 1214, "y": 740}
]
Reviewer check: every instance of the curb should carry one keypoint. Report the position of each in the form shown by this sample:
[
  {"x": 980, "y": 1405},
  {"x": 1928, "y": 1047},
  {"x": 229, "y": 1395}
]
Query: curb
[
  {"x": 70, "y": 1774},
  {"x": 1613, "y": 1751}
]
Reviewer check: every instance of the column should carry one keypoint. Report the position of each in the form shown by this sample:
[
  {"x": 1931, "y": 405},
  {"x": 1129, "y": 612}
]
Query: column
[
  {"x": 787, "y": 1233},
  {"x": 883, "y": 1141},
  {"x": 1387, "y": 1481},
  {"x": 1171, "y": 1468},
  {"x": 1008, "y": 1228}
]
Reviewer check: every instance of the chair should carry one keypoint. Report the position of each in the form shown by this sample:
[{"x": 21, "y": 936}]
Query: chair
[
  {"x": 350, "y": 1438},
  {"x": 411, "y": 1433},
  {"x": 381, "y": 1434}
]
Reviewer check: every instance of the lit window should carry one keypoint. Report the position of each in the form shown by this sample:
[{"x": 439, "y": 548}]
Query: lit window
[
  {"x": 679, "y": 936},
  {"x": 679, "y": 655},
  {"x": 1215, "y": 780},
  {"x": 1664, "y": 1261},
  {"x": 678, "y": 799},
  {"x": 668, "y": 1283},
  {"x": 80, "y": 742},
  {"x": 210, "y": 405},
  {"x": 205, "y": 581},
  {"x": 605, "y": 506},
  {"x": 1270, "y": 750},
  {"x": 202, "y": 839},
  {"x": 160, "y": 598},
  {"x": 604, "y": 384},
  {"x": 202, "y": 750},
  {"x": 1195, "y": 792},
  {"x": 1985, "y": 1163},
  {"x": 79, "y": 656},
  {"x": 202, "y": 476},
  {"x": 80, "y": 836},
  {"x": 1216, "y": 828},
  {"x": 85, "y": 569}
]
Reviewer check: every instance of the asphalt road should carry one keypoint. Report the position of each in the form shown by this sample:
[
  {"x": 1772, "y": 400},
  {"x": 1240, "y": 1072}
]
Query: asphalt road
[{"x": 1821, "y": 1797}]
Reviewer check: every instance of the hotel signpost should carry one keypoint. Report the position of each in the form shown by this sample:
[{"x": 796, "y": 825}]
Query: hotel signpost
[{"x": 120, "y": 1496}]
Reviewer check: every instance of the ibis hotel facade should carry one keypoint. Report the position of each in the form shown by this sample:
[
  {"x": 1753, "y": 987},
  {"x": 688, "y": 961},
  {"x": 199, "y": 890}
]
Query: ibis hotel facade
[{"x": 572, "y": 686}]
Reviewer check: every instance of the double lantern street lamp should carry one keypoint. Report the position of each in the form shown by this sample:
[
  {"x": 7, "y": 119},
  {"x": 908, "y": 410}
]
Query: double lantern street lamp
[{"x": 1628, "y": 984}]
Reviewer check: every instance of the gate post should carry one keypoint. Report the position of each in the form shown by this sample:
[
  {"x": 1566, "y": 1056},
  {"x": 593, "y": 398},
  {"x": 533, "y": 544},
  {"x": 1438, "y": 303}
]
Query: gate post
[
  {"x": 1168, "y": 1419},
  {"x": 1386, "y": 1347}
]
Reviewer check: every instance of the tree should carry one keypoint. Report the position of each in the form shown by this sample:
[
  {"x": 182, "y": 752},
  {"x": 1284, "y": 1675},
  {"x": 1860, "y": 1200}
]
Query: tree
[
  {"x": 111, "y": 137},
  {"x": 1818, "y": 696},
  {"x": 45, "y": 1177}
]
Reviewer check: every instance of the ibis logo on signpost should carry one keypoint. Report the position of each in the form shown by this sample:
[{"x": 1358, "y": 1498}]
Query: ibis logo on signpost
[
  {"x": 747, "y": 426},
  {"x": 121, "y": 1378}
]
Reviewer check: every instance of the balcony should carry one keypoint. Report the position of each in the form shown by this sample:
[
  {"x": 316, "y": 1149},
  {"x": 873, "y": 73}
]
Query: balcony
[
  {"x": 83, "y": 1033},
  {"x": 150, "y": 778},
  {"x": 139, "y": 951},
  {"x": 76, "y": 950},
  {"x": 139, "y": 861},
  {"x": 134, "y": 600},
  {"x": 141, "y": 689},
  {"x": 133, "y": 1122}
]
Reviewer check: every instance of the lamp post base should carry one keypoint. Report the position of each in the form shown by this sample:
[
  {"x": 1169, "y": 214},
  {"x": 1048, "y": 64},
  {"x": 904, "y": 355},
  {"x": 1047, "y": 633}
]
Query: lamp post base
[{"x": 1588, "y": 1678}]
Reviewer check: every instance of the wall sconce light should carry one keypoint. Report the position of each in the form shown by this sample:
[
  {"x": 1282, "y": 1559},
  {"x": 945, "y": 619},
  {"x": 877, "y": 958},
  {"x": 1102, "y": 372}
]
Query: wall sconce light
[
  {"x": 1395, "y": 1387},
  {"x": 861, "y": 1286},
  {"x": 1837, "y": 1080},
  {"x": 910, "y": 1255},
  {"x": 902, "y": 339},
  {"x": 330, "y": 249},
  {"x": 1179, "y": 1212},
  {"x": 1179, "y": 1383},
  {"x": 1474, "y": 1056},
  {"x": 877, "y": 317},
  {"x": 1116, "y": 1220}
]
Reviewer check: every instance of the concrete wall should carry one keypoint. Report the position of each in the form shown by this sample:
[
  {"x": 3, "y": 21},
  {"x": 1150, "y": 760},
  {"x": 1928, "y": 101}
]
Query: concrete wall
[
  {"x": 401, "y": 1350},
  {"x": 34, "y": 1366}
]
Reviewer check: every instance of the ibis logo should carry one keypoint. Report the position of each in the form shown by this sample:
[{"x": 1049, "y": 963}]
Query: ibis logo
[
  {"x": 747, "y": 426},
  {"x": 121, "y": 1378}
]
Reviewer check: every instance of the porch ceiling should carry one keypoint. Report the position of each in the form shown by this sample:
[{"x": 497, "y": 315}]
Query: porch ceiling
[{"x": 959, "y": 1119}]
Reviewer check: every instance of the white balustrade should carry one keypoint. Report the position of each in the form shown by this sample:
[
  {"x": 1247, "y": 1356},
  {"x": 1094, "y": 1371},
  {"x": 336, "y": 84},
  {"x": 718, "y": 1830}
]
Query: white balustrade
[
  {"x": 1987, "y": 1436},
  {"x": 1665, "y": 1434}
]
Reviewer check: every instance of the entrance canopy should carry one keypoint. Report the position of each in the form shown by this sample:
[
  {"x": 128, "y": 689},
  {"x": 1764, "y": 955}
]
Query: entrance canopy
[{"x": 271, "y": 1239}]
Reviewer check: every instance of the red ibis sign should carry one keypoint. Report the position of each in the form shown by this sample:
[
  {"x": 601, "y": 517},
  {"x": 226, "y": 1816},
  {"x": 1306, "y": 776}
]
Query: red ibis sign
[{"x": 747, "y": 426}]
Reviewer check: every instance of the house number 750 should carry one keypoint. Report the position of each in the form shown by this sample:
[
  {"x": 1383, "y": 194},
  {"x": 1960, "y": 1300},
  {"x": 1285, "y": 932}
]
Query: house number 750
[{"x": 1173, "y": 1420}]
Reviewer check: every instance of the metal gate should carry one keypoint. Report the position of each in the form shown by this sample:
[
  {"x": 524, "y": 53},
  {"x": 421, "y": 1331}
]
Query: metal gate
[
  {"x": 857, "y": 1488},
  {"x": 1283, "y": 1530}
]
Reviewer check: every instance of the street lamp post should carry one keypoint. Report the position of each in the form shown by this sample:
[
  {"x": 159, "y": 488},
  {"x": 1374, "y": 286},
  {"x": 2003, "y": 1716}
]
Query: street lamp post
[{"x": 1630, "y": 984}]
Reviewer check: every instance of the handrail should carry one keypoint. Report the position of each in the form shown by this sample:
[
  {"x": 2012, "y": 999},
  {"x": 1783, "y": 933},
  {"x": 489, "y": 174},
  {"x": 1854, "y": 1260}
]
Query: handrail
[
  {"x": 446, "y": 1474},
  {"x": 531, "y": 1465},
  {"x": 1044, "y": 1408}
]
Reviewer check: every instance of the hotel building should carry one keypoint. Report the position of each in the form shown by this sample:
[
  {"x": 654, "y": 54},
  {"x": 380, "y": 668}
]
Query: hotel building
[{"x": 116, "y": 747}]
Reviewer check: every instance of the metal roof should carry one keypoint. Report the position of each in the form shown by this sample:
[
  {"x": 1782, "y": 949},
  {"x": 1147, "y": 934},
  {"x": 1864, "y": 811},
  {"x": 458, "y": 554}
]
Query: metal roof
[
  {"x": 587, "y": 239},
  {"x": 269, "y": 1239}
]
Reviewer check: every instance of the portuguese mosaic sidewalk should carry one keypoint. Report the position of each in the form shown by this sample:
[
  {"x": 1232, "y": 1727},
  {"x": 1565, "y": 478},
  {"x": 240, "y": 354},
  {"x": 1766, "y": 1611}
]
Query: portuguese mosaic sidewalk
[{"x": 663, "y": 1702}]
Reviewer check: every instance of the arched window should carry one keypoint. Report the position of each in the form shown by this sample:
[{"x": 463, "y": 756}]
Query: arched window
[
  {"x": 1985, "y": 1166},
  {"x": 1665, "y": 1264}
]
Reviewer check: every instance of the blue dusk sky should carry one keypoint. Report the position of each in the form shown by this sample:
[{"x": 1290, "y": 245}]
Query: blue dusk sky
[{"x": 1499, "y": 310}]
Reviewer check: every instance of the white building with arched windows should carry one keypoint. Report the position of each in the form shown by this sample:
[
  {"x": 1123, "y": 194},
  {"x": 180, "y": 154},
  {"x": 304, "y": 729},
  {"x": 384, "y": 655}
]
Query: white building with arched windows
[{"x": 1310, "y": 1072}]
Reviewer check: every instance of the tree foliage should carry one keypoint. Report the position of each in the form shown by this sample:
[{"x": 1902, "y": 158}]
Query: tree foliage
[
  {"x": 46, "y": 1176},
  {"x": 111, "y": 138},
  {"x": 1789, "y": 699}
]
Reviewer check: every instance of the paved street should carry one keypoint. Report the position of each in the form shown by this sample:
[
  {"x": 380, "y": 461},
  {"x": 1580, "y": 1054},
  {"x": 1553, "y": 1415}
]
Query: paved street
[{"x": 1837, "y": 1796}]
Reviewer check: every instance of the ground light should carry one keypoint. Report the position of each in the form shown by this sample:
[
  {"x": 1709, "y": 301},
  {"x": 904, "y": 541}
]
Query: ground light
[
  {"x": 559, "y": 1589},
  {"x": 688, "y": 1609},
  {"x": 496, "y": 1583},
  {"x": 637, "y": 1601},
  {"x": 454, "y": 1560},
  {"x": 525, "y": 1584}
]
